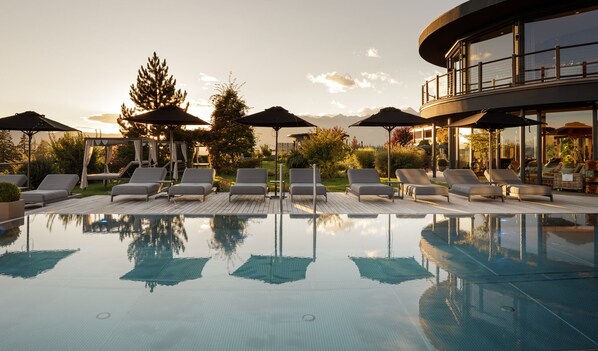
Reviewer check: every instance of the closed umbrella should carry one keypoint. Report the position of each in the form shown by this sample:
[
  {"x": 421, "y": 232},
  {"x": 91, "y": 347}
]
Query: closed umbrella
[
  {"x": 492, "y": 120},
  {"x": 389, "y": 118},
  {"x": 170, "y": 116},
  {"x": 274, "y": 117},
  {"x": 31, "y": 123}
]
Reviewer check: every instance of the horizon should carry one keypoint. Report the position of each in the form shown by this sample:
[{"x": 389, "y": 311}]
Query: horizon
[{"x": 76, "y": 60}]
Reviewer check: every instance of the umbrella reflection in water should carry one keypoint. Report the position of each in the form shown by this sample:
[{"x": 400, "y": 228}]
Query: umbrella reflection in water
[
  {"x": 390, "y": 270},
  {"x": 29, "y": 263},
  {"x": 276, "y": 269}
]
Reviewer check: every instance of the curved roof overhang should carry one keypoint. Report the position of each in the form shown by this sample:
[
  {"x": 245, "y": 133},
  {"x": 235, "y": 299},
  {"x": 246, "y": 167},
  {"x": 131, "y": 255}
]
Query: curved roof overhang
[{"x": 476, "y": 15}]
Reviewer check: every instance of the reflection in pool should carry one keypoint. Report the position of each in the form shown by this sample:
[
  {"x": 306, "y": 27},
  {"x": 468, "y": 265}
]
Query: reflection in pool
[{"x": 113, "y": 282}]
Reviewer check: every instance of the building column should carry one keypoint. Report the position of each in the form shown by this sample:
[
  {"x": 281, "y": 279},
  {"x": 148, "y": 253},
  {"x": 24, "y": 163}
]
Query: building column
[
  {"x": 594, "y": 131},
  {"x": 522, "y": 148},
  {"x": 539, "y": 148},
  {"x": 434, "y": 144},
  {"x": 451, "y": 146}
]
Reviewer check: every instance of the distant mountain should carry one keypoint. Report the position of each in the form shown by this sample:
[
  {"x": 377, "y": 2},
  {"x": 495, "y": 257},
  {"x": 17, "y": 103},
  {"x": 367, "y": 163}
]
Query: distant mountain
[{"x": 375, "y": 136}]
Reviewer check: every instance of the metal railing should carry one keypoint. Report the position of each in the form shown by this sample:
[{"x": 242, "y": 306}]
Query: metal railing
[{"x": 559, "y": 63}]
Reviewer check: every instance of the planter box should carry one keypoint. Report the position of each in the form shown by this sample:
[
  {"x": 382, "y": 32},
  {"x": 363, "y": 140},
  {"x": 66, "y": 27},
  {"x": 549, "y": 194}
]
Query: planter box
[{"x": 12, "y": 210}]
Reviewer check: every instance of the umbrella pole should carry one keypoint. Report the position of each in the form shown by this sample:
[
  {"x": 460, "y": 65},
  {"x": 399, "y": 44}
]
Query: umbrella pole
[
  {"x": 389, "y": 235},
  {"x": 388, "y": 152},
  {"x": 29, "y": 162},
  {"x": 276, "y": 163},
  {"x": 171, "y": 154}
]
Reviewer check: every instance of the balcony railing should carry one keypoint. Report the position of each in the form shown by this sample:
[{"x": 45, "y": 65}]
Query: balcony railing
[{"x": 560, "y": 63}]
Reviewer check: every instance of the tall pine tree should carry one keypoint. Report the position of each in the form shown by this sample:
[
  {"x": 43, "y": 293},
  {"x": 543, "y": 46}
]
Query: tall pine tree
[
  {"x": 229, "y": 141},
  {"x": 154, "y": 88}
]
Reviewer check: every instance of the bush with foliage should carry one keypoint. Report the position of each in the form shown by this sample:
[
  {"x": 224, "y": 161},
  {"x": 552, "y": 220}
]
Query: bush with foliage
[
  {"x": 69, "y": 150},
  {"x": 296, "y": 160},
  {"x": 265, "y": 150},
  {"x": 366, "y": 157},
  {"x": 248, "y": 163},
  {"x": 9, "y": 192},
  {"x": 327, "y": 149},
  {"x": 40, "y": 168},
  {"x": 400, "y": 157}
]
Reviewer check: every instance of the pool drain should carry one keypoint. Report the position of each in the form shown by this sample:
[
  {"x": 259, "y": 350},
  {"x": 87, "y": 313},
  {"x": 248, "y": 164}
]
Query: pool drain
[
  {"x": 103, "y": 315},
  {"x": 507, "y": 309},
  {"x": 309, "y": 318}
]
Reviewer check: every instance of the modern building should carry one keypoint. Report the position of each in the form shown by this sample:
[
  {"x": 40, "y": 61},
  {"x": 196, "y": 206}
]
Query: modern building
[{"x": 532, "y": 58}]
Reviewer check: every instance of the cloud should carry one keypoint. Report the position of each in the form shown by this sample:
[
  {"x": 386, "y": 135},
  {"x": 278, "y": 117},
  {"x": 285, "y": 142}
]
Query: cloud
[
  {"x": 337, "y": 104},
  {"x": 373, "y": 52},
  {"x": 336, "y": 82},
  {"x": 206, "y": 78},
  {"x": 104, "y": 118},
  {"x": 381, "y": 76}
]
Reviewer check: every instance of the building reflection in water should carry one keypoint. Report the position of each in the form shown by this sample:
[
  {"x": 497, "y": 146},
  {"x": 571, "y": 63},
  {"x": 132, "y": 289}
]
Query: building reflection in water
[{"x": 511, "y": 282}]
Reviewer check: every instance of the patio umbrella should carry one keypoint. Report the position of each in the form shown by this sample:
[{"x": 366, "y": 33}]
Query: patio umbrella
[
  {"x": 390, "y": 270},
  {"x": 170, "y": 116},
  {"x": 30, "y": 123},
  {"x": 30, "y": 264},
  {"x": 274, "y": 117},
  {"x": 389, "y": 118},
  {"x": 276, "y": 269},
  {"x": 492, "y": 120}
]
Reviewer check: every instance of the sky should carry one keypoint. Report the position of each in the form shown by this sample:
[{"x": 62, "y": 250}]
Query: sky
[{"x": 75, "y": 60}]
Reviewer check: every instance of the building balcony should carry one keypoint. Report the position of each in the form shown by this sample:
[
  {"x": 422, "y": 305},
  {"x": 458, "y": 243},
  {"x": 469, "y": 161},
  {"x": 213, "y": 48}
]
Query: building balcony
[{"x": 564, "y": 76}]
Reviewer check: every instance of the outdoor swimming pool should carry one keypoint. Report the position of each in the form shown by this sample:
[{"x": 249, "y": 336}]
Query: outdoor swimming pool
[{"x": 279, "y": 282}]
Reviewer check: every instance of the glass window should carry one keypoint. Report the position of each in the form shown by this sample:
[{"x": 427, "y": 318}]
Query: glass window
[
  {"x": 495, "y": 46},
  {"x": 569, "y": 136}
]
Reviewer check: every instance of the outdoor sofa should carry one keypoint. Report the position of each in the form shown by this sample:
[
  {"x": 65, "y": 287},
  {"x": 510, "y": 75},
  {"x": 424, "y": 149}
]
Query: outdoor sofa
[
  {"x": 250, "y": 181},
  {"x": 54, "y": 187},
  {"x": 195, "y": 181},
  {"x": 367, "y": 182},
  {"x": 415, "y": 182},
  {"x": 508, "y": 179},
  {"x": 144, "y": 181},
  {"x": 466, "y": 183},
  {"x": 302, "y": 182}
]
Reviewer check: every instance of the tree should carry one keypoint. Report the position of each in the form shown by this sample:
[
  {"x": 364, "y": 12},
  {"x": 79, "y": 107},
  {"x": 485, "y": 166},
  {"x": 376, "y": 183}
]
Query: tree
[
  {"x": 401, "y": 136},
  {"x": 68, "y": 151},
  {"x": 228, "y": 141},
  {"x": 8, "y": 150},
  {"x": 326, "y": 148},
  {"x": 154, "y": 89}
]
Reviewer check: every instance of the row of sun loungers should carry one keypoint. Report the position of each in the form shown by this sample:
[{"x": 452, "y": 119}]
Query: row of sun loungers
[{"x": 253, "y": 181}]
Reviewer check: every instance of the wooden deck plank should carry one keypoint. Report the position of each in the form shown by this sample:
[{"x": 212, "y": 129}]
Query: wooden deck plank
[{"x": 337, "y": 203}]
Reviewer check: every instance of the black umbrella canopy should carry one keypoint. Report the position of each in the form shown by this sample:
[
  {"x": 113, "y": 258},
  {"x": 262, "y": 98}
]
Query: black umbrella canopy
[
  {"x": 33, "y": 122},
  {"x": 493, "y": 120},
  {"x": 391, "y": 117},
  {"x": 274, "y": 117},
  {"x": 168, "y": 115},
  {"x": 30, "y": 123}
]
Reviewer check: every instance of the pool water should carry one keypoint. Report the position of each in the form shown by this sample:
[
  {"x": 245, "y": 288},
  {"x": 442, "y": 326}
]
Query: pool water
[{"x": 281, "y": 282}]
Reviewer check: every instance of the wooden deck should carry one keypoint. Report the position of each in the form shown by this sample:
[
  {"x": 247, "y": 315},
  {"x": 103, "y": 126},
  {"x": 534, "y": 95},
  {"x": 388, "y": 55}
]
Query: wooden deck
[{"x": 337, "y": 203}]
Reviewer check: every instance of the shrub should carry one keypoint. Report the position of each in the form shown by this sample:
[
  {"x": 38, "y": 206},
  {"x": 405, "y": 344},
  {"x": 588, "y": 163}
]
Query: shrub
[
  {"x": 68, "y": 151},
  {"x": 296, "y": 160},
  {"x": 248, "y": 163},
  {"x": 442, "y": 162},
  {"x": 40, "y": 168},
  {"x": 401, "y": 157},
  {"x": 265, "y": 149},
  {"x": 326, "y": 148},
  {"x": 9, "y": 192},
  {"x": 366, "y": 157}
]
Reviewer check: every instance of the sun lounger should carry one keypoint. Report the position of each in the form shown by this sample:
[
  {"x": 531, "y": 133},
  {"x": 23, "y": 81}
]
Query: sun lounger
[
  {"x": 17, "y": 179},
  {"x": 367, "y": 182},
  {"x": 250, "y": 181},
  {"x": 416, "y": 182},
  {"x": 464, "y": 182},
  {"x": 195, "y": 181},
  {"x": 144, "y": 181},
  {"x": 514, "y": 186},
  {"x": 302, "y": 182},
  {"x": 54, "y": 187}
]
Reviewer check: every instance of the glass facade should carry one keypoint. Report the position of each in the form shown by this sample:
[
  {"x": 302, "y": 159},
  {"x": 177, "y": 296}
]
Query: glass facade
[{"x": 494, "y": 46}]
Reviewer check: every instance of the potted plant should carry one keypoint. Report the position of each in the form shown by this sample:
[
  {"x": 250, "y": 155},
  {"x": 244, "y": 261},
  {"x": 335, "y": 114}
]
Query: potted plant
[
  {"x": 11, "y": 205},
  {"x": 442, "y": 163}
]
